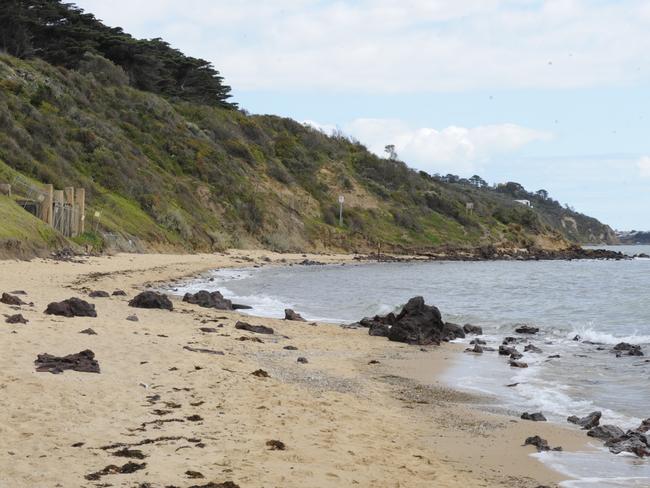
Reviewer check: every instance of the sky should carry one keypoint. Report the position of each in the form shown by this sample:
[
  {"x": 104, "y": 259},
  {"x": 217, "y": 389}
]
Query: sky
[{"x": 553, "y": 94}]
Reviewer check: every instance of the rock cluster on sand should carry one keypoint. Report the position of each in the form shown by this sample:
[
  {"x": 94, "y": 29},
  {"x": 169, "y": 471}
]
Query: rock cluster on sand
[
  {"x": 8, "y": 299},
  {"x": 417, "y": 323},
  {"x": 83, "y": 361},
  {"x": 208, "y": 299},
  {"x": 258, "y": 329},
  {"x": 16, "y": 319},
  {"x": 72, "y": 307},
  {"x": 152, "y": 299},
  {"x": 98, "y": 294}
]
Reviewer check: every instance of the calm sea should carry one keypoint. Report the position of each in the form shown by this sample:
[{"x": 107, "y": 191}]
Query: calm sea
[{"x": 602, "y": 302}]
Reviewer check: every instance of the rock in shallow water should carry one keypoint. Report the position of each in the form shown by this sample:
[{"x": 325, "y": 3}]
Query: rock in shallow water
[
  {"x": 588, "y": 422},
  {"x": 289, "y": 314},
  {"x": 623, "y": 348},
  {"x": 606, "y": 432},
  {"x": 472, "y": 329},
  {"x": 535, "y": 417},
  {"x": 634, "y": 442},
  {"x": 526, "y": 329}
]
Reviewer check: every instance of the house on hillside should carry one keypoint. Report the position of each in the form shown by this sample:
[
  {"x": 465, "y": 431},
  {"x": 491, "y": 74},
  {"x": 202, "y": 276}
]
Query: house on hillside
[{"x": 524, "y": 202}]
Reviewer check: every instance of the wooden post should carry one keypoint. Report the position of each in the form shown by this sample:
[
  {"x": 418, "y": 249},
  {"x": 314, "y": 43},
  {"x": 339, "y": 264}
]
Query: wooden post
[
  {"x": 46, "y": 209},
  {"x": 68, "y": 191},
  {"x": 80, "y": 200},
  {"x": 57, "y": 218}
]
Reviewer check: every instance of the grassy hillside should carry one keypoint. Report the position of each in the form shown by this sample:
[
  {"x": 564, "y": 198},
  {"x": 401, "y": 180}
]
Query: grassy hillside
[{"x": 171, "y": 174}]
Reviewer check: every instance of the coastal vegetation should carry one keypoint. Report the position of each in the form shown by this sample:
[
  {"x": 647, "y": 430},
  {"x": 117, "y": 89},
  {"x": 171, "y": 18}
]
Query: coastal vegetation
[{"x": 168, "y": 162}]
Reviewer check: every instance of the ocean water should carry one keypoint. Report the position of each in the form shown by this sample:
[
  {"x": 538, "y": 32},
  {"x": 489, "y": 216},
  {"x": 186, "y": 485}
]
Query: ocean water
[{"x": 602, "y": 302}]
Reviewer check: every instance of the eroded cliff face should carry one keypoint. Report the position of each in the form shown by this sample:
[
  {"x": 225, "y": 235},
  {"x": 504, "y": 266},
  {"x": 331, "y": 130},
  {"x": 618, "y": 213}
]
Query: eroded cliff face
[{"x": 172, "y": 175}]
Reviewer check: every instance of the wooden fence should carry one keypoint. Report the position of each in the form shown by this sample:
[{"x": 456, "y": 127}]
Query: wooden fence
[{"x": 65, "y": 210}]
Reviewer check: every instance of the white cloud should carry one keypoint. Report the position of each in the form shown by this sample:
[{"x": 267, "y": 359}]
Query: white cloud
[
  {"x": 381, "y": 46},
  {"x": 643, "y": 165},
  {"x": 453, "y": 149}
]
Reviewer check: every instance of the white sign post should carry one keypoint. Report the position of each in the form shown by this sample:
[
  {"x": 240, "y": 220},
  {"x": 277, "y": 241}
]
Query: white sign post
[{"x": 341, "y": 200}]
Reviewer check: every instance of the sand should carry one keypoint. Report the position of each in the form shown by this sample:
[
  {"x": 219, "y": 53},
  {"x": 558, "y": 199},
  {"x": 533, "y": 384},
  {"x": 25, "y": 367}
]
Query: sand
[{"x": 344, "y": 422}]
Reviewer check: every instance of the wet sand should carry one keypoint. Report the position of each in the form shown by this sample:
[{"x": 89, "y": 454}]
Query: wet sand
[{"x": 344, "y": 422}]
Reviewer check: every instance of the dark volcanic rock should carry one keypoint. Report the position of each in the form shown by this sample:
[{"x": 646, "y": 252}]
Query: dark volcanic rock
[
  {"x": 208, "y": 330},
  {"x": 526, "y": 329},
  {"x": 606, "y": 432},
  {"x": 133, "y": 318},
  {"x": 379, "y": 322},
  {"x": 516, "y": 355},
  {"x": 208, "y": 299},
  {"x": 258, "y": 329},
  {"x": 290, "y": 348},
  {"x": 540, "y": 444},
  {"x": 379, "y": 329},
  {"x": 276, "y": 445},
  {"x": 152, "y": 299},
  {"x": 632, "y": 441},
  {"x": 507, "y": 350},
  {"x": 83, "y": 362},
  {"x": 535, "y": 417},
  {"x": 119, "y": 293},
  {"x": 16, "y": 319},
  {"x": 476, "y": 349},
  {"x": 88, "y": 331},
  {"x": 302, "y": 360},
  {"x": 588, "y": 422},
  {"x": 417, "y": 323},
  {"x": 8, "y": 299},
  {"x": 518, "y": 364},
  {"x": 72, "y": 307},
  {"x": 480, "y": 342},
  {"x": 628, "y": 349},
  {"x": 532, "y": 348},
  {"x": 98, "y": 294},
  {"x": 644, "y": 427},
  {"x": 452, "y": 331},
  {"x": 289, "y": 314},
  {"x": 512, "y": 340},
  {"x": 239, "y": 306},
  {"x": 472, "y": 329}
]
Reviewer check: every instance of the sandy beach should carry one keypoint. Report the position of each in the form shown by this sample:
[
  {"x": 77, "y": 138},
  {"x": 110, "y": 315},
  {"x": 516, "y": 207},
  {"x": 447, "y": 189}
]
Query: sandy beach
[{"x": 199, "y": 417}]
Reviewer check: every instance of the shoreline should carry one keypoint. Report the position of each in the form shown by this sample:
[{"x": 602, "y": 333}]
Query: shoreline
[{"x": 335, "y": 405}]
